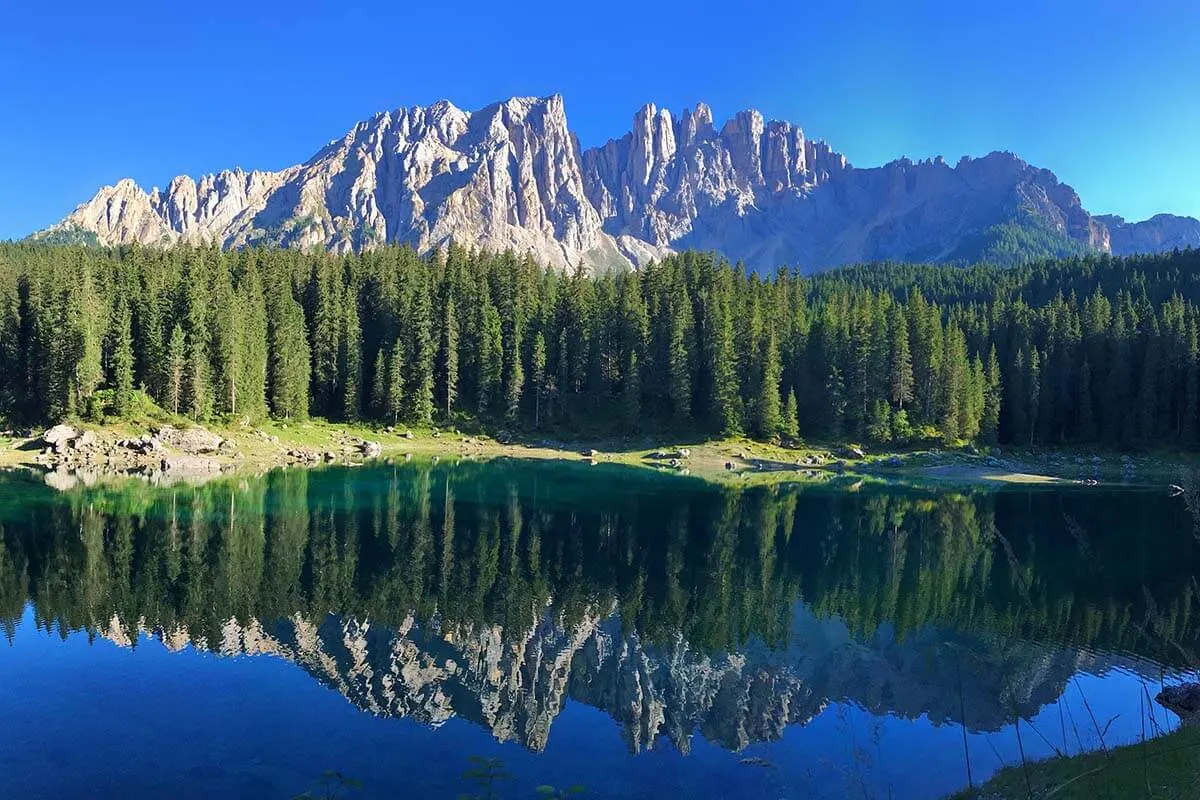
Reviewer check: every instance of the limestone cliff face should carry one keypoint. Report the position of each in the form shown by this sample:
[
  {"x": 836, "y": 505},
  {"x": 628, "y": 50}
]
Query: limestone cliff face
[
  {"x": 506, "y": 176},
  {"x": 512, "y": 176},
  {"x": 1160, "y": 233},
  {"x": 515, "y": 683}
]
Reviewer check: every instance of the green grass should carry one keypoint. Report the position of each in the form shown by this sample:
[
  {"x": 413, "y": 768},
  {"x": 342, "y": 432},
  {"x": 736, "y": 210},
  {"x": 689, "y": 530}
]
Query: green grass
[{"x": 1165, "y": 768}]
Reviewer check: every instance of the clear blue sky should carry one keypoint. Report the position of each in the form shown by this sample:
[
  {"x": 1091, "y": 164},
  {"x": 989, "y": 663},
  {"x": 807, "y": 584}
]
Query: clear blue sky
[{"x": 1105, "y": 93}]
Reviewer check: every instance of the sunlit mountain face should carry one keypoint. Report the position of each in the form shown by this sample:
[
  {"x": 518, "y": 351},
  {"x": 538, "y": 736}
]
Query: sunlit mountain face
[{"x": 523, "y": 606}]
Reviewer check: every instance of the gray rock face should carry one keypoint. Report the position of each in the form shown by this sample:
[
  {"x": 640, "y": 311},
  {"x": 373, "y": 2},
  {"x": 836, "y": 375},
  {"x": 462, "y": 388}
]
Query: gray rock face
[
  {"x": 1160, "y": 233},
  {"x": 512, "y": 176}
]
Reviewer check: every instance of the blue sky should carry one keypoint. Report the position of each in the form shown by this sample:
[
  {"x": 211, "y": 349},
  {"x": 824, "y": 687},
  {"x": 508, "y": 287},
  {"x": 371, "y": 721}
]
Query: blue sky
[{"x": 1104, "y": 93}]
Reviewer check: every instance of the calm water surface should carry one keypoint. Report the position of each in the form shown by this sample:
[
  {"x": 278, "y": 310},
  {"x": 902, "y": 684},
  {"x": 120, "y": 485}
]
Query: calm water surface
[{"x": 637, "y": 635}]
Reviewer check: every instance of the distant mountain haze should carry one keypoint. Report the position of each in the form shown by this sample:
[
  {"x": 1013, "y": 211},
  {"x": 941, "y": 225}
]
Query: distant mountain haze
[{"x": 513, "y": 176}]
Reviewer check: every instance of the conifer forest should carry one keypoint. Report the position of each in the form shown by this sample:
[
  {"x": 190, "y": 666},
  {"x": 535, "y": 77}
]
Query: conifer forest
[{"x": 1093, "y": 349}]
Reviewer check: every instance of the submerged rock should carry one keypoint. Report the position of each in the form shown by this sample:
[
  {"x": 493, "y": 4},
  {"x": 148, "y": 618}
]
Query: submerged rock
[{"x": 1183, "y": 699}]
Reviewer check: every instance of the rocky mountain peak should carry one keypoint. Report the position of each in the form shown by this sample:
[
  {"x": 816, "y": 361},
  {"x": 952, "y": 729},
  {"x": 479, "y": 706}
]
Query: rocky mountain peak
[{"x": 512, "y": 175}]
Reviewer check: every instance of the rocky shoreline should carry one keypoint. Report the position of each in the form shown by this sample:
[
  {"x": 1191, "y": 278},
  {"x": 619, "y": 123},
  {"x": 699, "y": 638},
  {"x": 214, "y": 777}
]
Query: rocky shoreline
[{"x": 166, "y": 454}]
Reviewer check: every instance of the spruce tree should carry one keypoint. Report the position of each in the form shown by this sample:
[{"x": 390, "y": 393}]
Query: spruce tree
[
  {"x": 252, "y": 357},
  {"x": 393, "y": 404},
  {"x": 350, "y": 367},
  {"x": 679, "y": 354},
  {"x": 791, "y": 417},
  {"x": 176, "y": 368},
  {"x": 900, "y": 368},
  {"x": 491, "y": 357},
  {"x": 992, "y": 397},
  {"x": 122, "y": 360},
  {"x": 419, "y": 359},
  {"x": 290, "y": 367},
  {"x": 539, "y": 377},
  {"x": 767, "y": 404},
  {"x": 720, "y": 355},
  {"x": 448, "y": 352}
]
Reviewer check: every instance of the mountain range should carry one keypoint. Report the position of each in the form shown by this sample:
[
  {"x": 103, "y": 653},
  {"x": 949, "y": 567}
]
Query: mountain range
[{"x": 513, "y": 175}]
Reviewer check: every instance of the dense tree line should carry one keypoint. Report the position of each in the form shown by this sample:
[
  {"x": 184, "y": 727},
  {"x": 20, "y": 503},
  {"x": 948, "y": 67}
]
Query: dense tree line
[{"x": 1083, "y": 350}]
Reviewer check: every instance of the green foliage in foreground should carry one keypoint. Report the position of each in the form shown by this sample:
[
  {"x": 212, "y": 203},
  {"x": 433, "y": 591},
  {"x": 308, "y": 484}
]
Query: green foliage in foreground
[
  {"x": 1087, "y": 350},
  {"x": 1166, "y": 768}
]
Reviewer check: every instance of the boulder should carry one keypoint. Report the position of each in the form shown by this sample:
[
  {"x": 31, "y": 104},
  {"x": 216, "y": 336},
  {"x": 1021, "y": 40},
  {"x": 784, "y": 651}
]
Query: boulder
[
  {"x": 59, "y": 435},
  {"x": 1183, "y": 699},
  {"x": 85, "y": 440},
  {"x": 193, "y": 440},
  {"x": 371, "y": 449}
]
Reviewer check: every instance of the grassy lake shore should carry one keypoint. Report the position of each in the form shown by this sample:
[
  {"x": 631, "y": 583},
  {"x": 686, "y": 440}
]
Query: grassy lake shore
[
  {"x": 1161, "y": 768},
  {"x": 730, "y": 460}
]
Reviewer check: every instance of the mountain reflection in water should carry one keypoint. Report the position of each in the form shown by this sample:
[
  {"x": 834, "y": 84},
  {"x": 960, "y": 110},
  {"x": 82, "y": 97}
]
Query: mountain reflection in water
[{"x": 498, "y": 593}]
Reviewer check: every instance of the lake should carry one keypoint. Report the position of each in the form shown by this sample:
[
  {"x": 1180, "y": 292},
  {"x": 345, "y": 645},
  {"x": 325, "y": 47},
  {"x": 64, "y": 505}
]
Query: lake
[{"x": 636, "y": 635}]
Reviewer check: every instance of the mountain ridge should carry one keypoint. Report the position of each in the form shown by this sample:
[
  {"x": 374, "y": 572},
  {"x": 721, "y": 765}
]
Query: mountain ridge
[{"x": 512, "y": 175}]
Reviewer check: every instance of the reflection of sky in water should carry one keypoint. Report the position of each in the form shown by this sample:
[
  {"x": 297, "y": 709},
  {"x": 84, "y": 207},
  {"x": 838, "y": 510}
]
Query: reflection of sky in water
[{"x": 83, "y": 720}]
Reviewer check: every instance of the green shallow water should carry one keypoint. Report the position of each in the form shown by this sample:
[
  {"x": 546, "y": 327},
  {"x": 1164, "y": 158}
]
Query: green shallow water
[{"x": 638, "y": 635}]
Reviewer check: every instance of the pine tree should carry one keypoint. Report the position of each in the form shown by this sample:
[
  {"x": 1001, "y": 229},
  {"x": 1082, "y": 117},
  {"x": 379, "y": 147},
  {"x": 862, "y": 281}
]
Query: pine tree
[
  {"x": 448, "y": 352},
  {"x": 350, "y": 366},
  {"x": 1034, "y": 382},
  {"x": 791, "y": 417},
  {"x": 835, "y": 389},
  {"x": 83, "y": 339},
  {"x": 539, "y": 377},
  {"x": 992, "y": 396},
  {"x": 631, "y": 392},
  {"x": 767, "y": 405},
  {"x": 176, "y": 368},
  {"x": 324, "y": 312},
  {"x": 900, "y": 368},
  {"x": 419, "y": 364},
  {"x": 225, "y": 323},
  {"x": 491, "y": 356},
  {"x": 197, "y": 397},
  {"x": 879, "y": 425},
  {"x": 1087, "y": 416},
  {"x": 393, "y": 404},
  {"x": 379, "y": 385},
  {"x": 679, "y": 356},
  {"x": 290, "y": 367},
  {"x": 122, "y": 360},
  {"x": 720, "y": 355},
  {"x": 252, "y": 357},
  {"x": 953, "y": 385},
  {"x": 1190, "y": 423}
]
